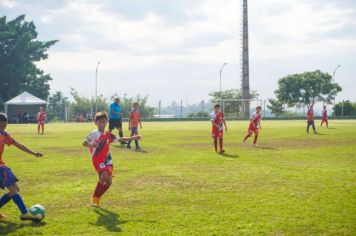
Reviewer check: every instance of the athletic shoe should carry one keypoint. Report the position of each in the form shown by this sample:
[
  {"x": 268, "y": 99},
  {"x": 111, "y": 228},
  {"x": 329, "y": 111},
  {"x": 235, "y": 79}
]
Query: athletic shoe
[
  {"x": 95, "y": 202},
  {"x": 128, "y": 146},
  {"x": 29, "y": 216}
]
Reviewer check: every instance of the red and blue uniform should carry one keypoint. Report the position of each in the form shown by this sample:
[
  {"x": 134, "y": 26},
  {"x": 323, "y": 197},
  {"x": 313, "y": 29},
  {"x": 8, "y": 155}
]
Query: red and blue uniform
[
  {"x": 7, "y": 177},
  {"x": 101, "y": 159},
  {"x": 134, "y": 120},
  {"x": 217, "y": 118}
]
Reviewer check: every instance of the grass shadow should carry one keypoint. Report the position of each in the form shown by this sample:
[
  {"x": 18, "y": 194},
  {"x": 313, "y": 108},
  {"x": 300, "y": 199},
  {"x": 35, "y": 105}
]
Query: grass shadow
[
  {"x": 7, "y": 227},
  {"x": 230, "y": 155},
  {"x": 109, "y": 220}
]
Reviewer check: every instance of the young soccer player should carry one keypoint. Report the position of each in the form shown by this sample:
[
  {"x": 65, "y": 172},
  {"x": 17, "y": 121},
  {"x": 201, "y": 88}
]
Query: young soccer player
[
  {"x": 324, "y": 117},
  {"x": 134, "y": 121},
  {"x": 41, "y": 116},
  {"x": 7, "y": 177},
  {"x": 98, "y": 141},
  {"x": 218, "y": 124},
  {"x": 310, "y": 119},
  {"x": 255, "y": 125}
]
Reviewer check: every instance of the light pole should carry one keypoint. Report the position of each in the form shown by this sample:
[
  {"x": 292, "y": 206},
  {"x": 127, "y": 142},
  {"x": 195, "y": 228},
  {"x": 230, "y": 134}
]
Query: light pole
[
  {"x": 222, "y": 67},
  {"x": 96, "y": 87},
  {"x": 333, "y": 78}
]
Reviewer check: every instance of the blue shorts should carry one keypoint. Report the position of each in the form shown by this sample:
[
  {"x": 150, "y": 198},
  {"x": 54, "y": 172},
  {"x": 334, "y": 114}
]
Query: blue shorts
[
  {"x": 134, "y": 130},
  {"x": 7, "y": 178}
]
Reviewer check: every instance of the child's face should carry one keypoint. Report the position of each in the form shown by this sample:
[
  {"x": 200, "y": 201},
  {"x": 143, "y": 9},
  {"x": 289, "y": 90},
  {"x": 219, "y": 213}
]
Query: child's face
[
  {"x": 136, "y": 106},
  {"x": 3, "y": 125},
  {"x": 216, "y": 109},
  {"x": 258, "y": 109},
  {"x": 101, "y": 124}
]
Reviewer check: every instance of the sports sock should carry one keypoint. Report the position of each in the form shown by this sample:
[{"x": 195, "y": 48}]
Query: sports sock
[
  {"x": 128, "y": 143},
  {"x": 121, "y": 134},
  {"x": 19, "y": 202},
  {"x": 4, "y": 199},
  {"x": 100, "y": 188},
  {"x": 255, "y": 140},
  {"x": 136, "y": 143},
  {"x": 221, "y": 144},
  {"x": 216, "y": 144},
  {"x": 106, "y": 187}
]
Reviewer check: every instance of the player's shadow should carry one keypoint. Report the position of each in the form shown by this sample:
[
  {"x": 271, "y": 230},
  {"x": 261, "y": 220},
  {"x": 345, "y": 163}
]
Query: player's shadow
[
  {"x": 264, "y": 147},
  {"x": 109, "y": 220},
  {"x": 7, "y": 227},
  {"x": 230, "y": 155}
]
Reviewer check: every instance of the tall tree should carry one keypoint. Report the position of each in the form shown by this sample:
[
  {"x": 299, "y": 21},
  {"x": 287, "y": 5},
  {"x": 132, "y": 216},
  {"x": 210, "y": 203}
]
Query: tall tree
[
  {"x": 19, "y": 50},
  {"x": 307, "y": 89},
  {"x": 56, "y": 105},
  {"x": 276, "y": 107}
]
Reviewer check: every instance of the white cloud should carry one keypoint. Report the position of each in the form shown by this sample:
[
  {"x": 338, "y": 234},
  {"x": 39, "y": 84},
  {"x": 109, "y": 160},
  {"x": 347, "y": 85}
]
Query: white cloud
[{"x": 7, "y": 4}]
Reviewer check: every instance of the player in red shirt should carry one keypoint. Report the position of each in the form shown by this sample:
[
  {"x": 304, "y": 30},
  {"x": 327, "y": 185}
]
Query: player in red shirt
[
  {"x": 41, "y": 117},
  {"x": 218, "y": 124},
  {"x": 255, "y": 125},
  {"x": 310, "y": 119},
  {"x": 98, "y": 141},
  {"x": 134, "y": 121},
  {"x": 324, "y": 117}
]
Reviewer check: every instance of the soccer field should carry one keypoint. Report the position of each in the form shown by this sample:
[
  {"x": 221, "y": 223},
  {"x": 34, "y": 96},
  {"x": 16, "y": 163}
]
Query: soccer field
[{"x": 293, "y": 184}]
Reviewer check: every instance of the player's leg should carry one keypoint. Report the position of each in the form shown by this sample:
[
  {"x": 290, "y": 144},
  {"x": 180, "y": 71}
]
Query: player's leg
[
  {"x": 129, "y": 142},
  {"x": 313, "y": 128},
  {"x": 221, "y": 145},
  {"x": 215, "y": 143},
  {"x": 249, "y": 133},
  {"x": 38, "y": 128},
  {"x": 322, "y": 122},
  {"x": 6, "y": 197},
  {"x": 256, "y": 137},
  {"x": 135, "y": 132},
  {"x": 16, "y": 197},
  {"x": 308, "y": 124},
  {"x": 327, "y": 123},
  {"x": 107, "y": 183},
  {"x": 42, "y": 127},
  {"x": 100, "y": 188}
]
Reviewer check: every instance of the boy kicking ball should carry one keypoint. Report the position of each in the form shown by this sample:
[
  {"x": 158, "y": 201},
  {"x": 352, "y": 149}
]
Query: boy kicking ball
[
  {"x": 218, "y": 124},
  {"x": 254, "y": 126},
  {"x": 7, "y": 177},
  {"x": 98, "y": 141}
]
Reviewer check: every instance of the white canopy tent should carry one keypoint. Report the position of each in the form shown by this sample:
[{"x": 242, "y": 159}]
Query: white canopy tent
[{"x": 25, "y": 102}]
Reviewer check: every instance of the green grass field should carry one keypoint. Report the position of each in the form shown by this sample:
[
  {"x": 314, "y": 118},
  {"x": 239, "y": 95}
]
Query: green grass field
[{"x": 293, "y": 184}]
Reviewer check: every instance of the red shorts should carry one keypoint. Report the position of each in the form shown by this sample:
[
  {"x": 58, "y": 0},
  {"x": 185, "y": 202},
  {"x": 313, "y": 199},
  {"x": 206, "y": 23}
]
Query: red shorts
[
  {"x": 102, "y": 167},
  {"x": 253, "y": 129},
  {"x": 218, "y": 134},
  {"x": 325, "y": 119},
  {"x": 41, "y": 122},
  {"x": 310, "y": 122}
]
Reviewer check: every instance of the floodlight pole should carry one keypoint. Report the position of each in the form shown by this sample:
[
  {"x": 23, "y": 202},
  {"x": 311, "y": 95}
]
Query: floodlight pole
[
  {"x": 96, "y": 87},
  {"x": 333, "y": 79},
  {"x": 222, "y": 67}
]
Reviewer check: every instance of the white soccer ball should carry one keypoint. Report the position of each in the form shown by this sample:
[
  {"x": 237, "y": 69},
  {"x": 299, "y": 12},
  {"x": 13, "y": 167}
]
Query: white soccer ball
[{"x": 38, "y": 211}]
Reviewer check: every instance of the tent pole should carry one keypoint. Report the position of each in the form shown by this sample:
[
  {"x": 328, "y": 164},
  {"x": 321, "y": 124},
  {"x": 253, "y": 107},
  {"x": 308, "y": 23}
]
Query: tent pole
[{"x": 5, "y": 108}]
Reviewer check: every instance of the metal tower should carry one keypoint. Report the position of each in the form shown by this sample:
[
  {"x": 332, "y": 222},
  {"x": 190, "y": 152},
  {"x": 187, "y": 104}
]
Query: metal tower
[{"x": 245, "y": 85}]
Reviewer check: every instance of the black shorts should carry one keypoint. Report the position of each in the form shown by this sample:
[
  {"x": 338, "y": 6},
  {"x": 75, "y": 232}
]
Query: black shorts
[{"x": 115, "y": 124}]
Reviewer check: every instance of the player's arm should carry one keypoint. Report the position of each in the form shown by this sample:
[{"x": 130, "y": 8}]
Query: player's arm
[
  {"x": 214, "y": 124},
  {"x": 26, "y": 149},
  {"x": 124, "y": 139},
  {"x": 139, "y": 121},
  {"x": 225, "y": 124}
]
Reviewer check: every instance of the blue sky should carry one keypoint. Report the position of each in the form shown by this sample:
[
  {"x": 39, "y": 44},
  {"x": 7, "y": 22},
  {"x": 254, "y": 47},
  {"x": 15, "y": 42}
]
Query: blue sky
[{"x": 173, "y": 49}]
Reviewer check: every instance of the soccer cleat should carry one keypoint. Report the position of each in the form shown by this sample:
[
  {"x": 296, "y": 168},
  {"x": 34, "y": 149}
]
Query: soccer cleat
[
  {"x": 95, "y": 202},
  {"x": 2, "y": 217},
  {"x": 29, "y": 216},
  {"x": 128, "y": 146}
]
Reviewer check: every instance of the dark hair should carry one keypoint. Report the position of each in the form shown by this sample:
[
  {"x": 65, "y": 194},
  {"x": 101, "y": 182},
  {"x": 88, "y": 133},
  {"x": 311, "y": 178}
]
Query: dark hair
[
  {"x": 216, "y": 105},
  {"x": 3, "y": 117},
  {"x": 259, "y": 107},
  {"x": 101, "y": 115}
]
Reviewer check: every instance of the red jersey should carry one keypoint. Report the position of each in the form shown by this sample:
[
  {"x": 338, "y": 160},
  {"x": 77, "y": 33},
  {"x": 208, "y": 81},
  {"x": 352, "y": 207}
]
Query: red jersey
[
  {"x": 41, "y": 116},
  {"x": 217, "y": 118},
  {"x": 134, "y": 118},
  {"x": 100, "y": 158},
  {"x": 325, "y": 113},
  {"x": 310, "y": 115},
  {"x": 5, "y": 138},
  {"x": 255, "y": 120}
]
